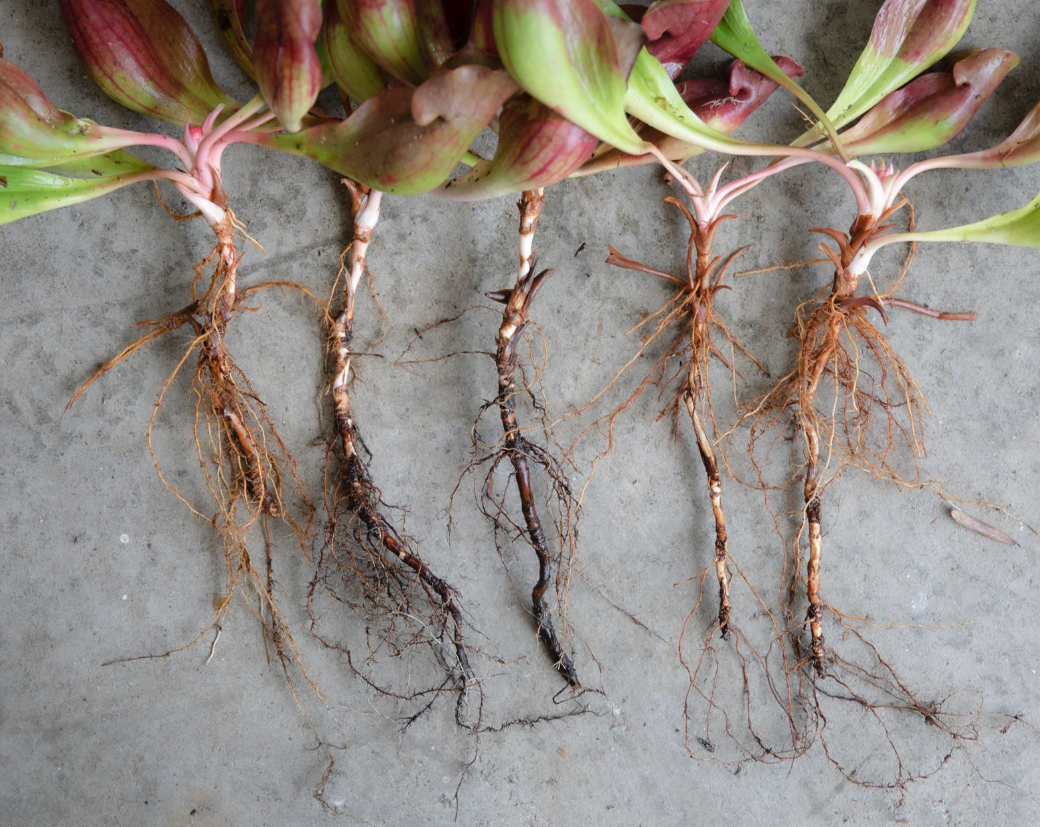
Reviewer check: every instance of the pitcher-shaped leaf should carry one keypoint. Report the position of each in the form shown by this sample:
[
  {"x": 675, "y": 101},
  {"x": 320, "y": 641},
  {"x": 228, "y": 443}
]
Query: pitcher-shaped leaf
[
  {"x": 931, "y": 110},
  {"x": 33, "y": 130},
  {"x": 288, "y": 69},
  {"x": 678, "y": 28},
  {"x": 142, "y": 54},
  {"x": 908, "y": 37},
  {"x": 405, "y": 141},
  {"x": 573, "y": 58},
  {"x": 721, "y": 105},
  {"x": 536, "y": 148},
  {"x": 725, "y": 105},
  {"x": 229, "y": 17},
  {"x": 409, "y": 39},
  {"x": 353, "y": 70}
]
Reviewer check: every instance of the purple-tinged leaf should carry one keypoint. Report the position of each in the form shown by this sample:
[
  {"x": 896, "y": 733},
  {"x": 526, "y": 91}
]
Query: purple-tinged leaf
[
  {"x": 1021, "y": 147},
  {"x": 229, "y": 17},
  {"x": 142, "y": 54},
  {"x": 405, "y": 141},
  {"x": 33, "y": 130},
  {"x": 725, "y": 105},
  {"x": 931, "y": 110},
  {"x": 288, "y": 69},
  {"x": 721, "y": 105},
  {"x": 536, "y": 148},
  {"x": 908, "y": 37},
  {"x": 409, "y": 39},
  {"x": 678, "y": 28}
]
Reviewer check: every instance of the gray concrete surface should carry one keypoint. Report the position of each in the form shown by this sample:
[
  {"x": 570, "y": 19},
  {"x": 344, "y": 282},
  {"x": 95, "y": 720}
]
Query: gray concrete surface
[{"x": 99, "y": 562}]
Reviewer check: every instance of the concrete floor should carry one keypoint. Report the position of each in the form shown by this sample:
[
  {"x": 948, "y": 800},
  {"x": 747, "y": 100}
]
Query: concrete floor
[{"x": 99, "y": 562}]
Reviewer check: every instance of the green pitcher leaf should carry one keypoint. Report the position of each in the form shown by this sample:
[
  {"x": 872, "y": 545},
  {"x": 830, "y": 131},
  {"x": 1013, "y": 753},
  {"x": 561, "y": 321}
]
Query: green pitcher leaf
[
  {"x": 565, "y": 53},
  {"x": 1017, "y": 228},
  {"x": 722, "y": 105},
  {"x": 111, "y": 163},
  {"x": 653, "y": 99},
  {"x": 409, "y": 39},
  {"x": 352, "y": 69}
]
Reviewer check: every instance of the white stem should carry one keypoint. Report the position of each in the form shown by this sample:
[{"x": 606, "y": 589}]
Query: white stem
[
  {"x": 213, "y": 213},
  {"x": 861, "y": 261},
  {"x": 875, "y": 189},
  {"x": 364, "y": 223},
  {"x": 528, "y": 222}
]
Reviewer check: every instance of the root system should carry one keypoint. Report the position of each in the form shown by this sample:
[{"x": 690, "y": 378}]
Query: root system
[
  {"x": 365, "y": 562},
  {"x": 521, "y": 453}
]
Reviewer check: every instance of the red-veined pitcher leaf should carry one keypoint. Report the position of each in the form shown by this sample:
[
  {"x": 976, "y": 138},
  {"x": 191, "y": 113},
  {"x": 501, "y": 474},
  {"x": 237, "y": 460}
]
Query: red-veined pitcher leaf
[
  {"x": 908, "y": 37},
  {"x": 143, "y": 55},
  {"x": 536, "y": 148},
  {"x": 288, "y": 69},
  {"x": 409, "y": 39},
  {"x": 33, "y": 131},
  {"x": 931, "y": 110}
]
